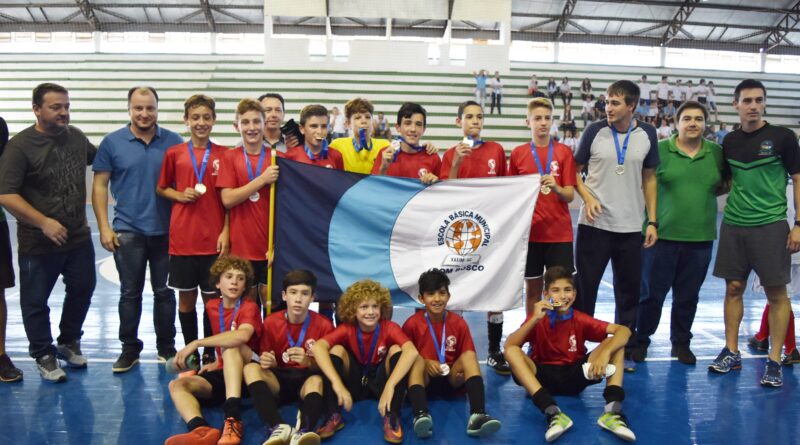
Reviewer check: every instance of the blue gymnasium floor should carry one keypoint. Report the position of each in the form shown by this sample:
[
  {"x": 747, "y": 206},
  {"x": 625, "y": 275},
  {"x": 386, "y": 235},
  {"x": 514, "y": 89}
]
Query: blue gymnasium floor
[{"x": 667, "y": 403}]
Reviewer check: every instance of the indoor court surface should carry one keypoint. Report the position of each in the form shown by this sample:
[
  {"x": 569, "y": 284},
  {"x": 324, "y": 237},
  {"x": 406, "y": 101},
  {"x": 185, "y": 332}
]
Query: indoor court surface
[{"x": 667, "y": 403}]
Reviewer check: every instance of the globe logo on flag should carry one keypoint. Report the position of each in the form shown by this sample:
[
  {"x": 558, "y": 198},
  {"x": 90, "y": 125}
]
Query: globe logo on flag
[{"x": 464, "y": 236}]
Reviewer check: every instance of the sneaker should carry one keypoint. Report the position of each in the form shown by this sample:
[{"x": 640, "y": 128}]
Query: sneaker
[
  {"x": 331, "y": 426},
  {"x": 392, "y": 433},
  {"x": 204, "y": 435},
  {"x": 423, "y": 425},
  {"x": 126, "y": 361},
  {"x": 788, "y": 359},
  {"x": 638, "y": 353},
  {"x": 726, "y": 361},
  {"x": 49, "y": 369},
  {"x": 279, "y": 435},
  {"x": 773, "y": 375},
  {"x": 303, "y": 437},
  {"x": 617, "y": 424},
  {"x": 71, "y": 353},
  {"x": 8, "y": 372},
  {"x": 758, "y": 345},
  {"x": 557, "y": 423},
  {"x": 496, "y": 361},
  {"x": 232, "y": 432},
  {"x": 166, "y": 354},
  {"x": 481, "y": 424},
  {"x": 683, "y": 353}
]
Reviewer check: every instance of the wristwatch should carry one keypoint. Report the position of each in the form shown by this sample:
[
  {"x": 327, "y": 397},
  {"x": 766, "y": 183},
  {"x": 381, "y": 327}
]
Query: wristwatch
[{"x": 655, "y": 224}]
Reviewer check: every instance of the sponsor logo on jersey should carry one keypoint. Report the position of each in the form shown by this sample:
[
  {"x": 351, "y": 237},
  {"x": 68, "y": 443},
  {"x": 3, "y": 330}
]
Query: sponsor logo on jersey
[{"x": 766, "y": 148}]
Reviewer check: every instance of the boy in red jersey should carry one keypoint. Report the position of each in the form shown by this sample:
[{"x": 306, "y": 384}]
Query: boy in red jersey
[
  {"x": 558, "y": 361},
  {"x": 199, "y": 222},
  {"x": 405, "y": 157},
  {"x": 550, "y": 242},
  {"x": 447, "y": 359},
  {"x": 475, "y": 158},
  {"x": 285, "y": 372},
  {"x": 368, "y": 355},
  {"x": 245, "y": 174},
  {"x": 234, "y": 321},
  {"x": 314, "y": 127}
]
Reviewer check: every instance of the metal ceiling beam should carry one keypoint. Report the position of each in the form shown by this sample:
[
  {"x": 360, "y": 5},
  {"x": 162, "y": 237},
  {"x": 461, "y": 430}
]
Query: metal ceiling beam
[
  {"x": 212, "y": 25},
  {"x": 113, "y": 13},
  {"x": 703, "y": 5},
  {"x": 357, "y": 21},
  {"x": 188, "y": 16},
  {"x": 71, "y": 16},
  {"x": 150, "y": 4},
  {"x": 54, "y": 26},
  {"x": 222, "y": 11},
  {"x": 566, "y": 13},
  {"x": 537, "y": 24},
  {"x": 746, "y": 36},
  {"x": 302, "y": 20},
  {"x": 88, "y": 12},
  {"x": 678, "y": 20},
  {"x": 643, "y": 20},
  {"x": 579, "y": 27},
  {"x": 648, "y": 29},
  {"x": 787, "y": 24},
  {"x": 8, "y": 17},
  {"x": 46, "y": 19}
]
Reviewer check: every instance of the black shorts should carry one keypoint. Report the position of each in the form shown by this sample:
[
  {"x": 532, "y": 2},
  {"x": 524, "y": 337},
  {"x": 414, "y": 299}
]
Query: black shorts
[
  {"x": 440, "y": 387},
  {"x": 762, "y": 248},
  {"x": 662, "y": 103},
  {"x": 541, "y": 255},
  {"x": 187, "y": 273},
  {"x": 260, "y": 271},
  {"x": 567, "y": 380},
  {"x": 6, "y": 266},
  {"x": 217, "y": 380},
  {"x": 291, "y": 381},
  {"x": 702, "y": 100},
  {"x": 376, "y": 380}
]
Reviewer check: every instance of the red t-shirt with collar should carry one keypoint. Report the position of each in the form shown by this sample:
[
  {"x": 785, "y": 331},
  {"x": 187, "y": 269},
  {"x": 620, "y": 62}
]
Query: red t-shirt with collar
[
  {"x": 333, "y": 160},
  {"x": 409, "y": 165},
  {"x": 486, "y": 161},
  {"x": 248, "y": 313},
  {"x": 458, "y": 338},
  {"x": 274, "y": 338},
  {"x": 346, "y": 335},
  {"x": 564, "y": 344}
]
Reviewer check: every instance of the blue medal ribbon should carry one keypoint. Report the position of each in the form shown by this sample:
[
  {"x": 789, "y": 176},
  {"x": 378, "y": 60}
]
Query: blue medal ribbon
[
  {"x": 261, "y": 157},
  {"x": 203, "y": 164},
  {"x": 302, "y": 335},
  {"x": 362, "y": 143},
  {"x": 323, "y": 154},
  {"x": 365, "y": 359},
  {"x": 622, "y": 151},
  {"x": 439, "y": 346},
  {"x": 555, "y": 316},
  {"x": 475, "y": 142},
  {"x": 416, "y": 148},
  {"x": 222, "y": 315},
  {"x": 546, "y": 169}
]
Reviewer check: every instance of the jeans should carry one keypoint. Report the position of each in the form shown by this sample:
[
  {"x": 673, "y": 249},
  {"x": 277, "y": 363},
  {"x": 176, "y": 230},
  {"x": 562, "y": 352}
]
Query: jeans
[
  {"x": 480, "y": 96},
  {"x": 496, "y": 99},
  {"x": 681, "y": 266},
  {"x": 131, "y": 257},
  {"x": 38, "y": 275}
]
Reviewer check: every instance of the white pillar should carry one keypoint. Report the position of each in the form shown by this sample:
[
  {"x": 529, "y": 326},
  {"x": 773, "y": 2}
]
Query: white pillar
[
  {"x": 763, "y": 61},
  {"x": 556, "y": 47},
  {"x": 98, "y": 38},
  {"x": 268, "y": 31},
  {"x": 662, "y": 53}
]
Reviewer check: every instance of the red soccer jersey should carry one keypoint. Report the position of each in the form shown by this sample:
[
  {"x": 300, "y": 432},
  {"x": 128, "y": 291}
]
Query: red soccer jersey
[
  {"x": 552, "y": 222},
  {"x": 409, "y": 165},
  {"x": 333, "y": 160},
  {"x": 346, "y": 335},
  {"x": 249, "y": 221},
  {"x": 248, "y": 313},
  {"x": 274, "y": 335},
  {"x": 564, "y": 344},
  {"x": 458, "y": 338},
  {"x": 194, "y": 227},
  {"x": 486, "y": 161}
]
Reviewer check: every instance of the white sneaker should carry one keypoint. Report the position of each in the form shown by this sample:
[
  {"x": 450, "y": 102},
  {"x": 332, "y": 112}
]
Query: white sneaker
[
  {"x": 71, "y": 353},
  {"x": 617, "y": 423},
  {"x": 303, "y": 437},
  {"x": 49, "y": 369},
  {"x": 279, "y": 435}
]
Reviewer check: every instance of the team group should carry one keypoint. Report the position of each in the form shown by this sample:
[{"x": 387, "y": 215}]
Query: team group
[{"x": 649, "y": 208}]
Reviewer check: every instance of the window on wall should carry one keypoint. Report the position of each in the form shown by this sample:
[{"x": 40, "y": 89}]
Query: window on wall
[
  {"x": 600, "y": 54},
  {"x": 317, "y": 50},
  {"x": 434, "y": 53},
  {"x": 782, "y": 63},
  {"x": 524, "y": 51},
  {"x": 340, "y": 50},
  {"x": 712, "y": 59},
  {"x": 458, "y": 54}
]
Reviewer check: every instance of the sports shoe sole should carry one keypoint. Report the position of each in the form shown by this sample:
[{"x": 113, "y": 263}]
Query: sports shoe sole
[
  {"x": 621, "y": 436},
  {"x": 486, "y": 429},
  {"x": 771, "y": 384},
  {"x": 11, "y": 380},
  {"x": 307, "y": 439},
  {"x": 423, "y": 427},
  {"x": 713, "y": 368},
  {"x": 119, "y": 370},
  {"x": 63, "y": 357}
]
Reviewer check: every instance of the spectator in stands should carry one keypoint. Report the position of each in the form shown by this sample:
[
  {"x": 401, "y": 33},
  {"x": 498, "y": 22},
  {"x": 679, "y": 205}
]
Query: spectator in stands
[
  {"x": 129, "y": 159},
  {"x": 586, "y": 88},
  {"x": 662, "y": 94},
  {"x": 709, "y": 133},
  {"x": 480, "y": 86},
  {"x": 644, "y": 88},
  {"x": 600, "y": 107},
  {"x": 643, "y": 110},
  {"x": 678, "y": 94},
  {"x": 701, "y": 92},
  {"x": 571, "y": 139},
  {"x": 587, "y": 109},
  {"x": 567, "y": 121},
  {"x": 712, "y": 101},
  {"x": 664, "y": 131},
  {"x": 533, "y": 86},
  {"x": 554, "y": 129},
  {"x": 721, "y": 133},
  {"x": 497, "y": 93},
  {"x": 669, "y": 111},
  {"x": 339, "y": 129},
  {"x": 43, "y": 184},
  {"x": 382, "y": 129},
  {"x": 565, "y": 91},
  {"x": 552, "y": 89},
  {"x": 688, "y": 91}
]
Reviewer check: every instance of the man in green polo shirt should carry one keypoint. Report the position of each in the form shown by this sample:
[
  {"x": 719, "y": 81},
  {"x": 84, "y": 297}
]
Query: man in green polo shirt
[
  {"x": 754, "y": 234},
  {"x": 688, "y": 178}
]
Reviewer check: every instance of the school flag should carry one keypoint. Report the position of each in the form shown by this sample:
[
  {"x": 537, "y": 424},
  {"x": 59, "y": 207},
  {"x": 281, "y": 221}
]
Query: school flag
[{"x": 346, "y": 227}]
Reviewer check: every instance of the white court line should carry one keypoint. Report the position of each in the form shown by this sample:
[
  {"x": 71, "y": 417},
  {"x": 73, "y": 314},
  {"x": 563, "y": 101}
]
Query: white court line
[
  {"x": 607, "y": 284},
  {"x": 92, "y": 360}
]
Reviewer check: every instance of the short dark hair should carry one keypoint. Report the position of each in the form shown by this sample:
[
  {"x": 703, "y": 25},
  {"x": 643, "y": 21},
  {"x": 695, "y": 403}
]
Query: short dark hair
[
  {"x": 465, "y": 105},
  {"x": 274, "y": 96},
  {"x": 691, "y": 105},
  {"x": 556, "y": 273},
  {"x": 629, "y": 90},
  {"x": 747, "y": 84},
  {"x": 311, "y": 111},
  {"x": 142, "y": 89},
  {"x": 433, "y": 280},
  {"x": 409, "y": 109},
  {"x": 44, "y": 88},
  {"x": 199, "y": 100},
  {"x": 300, "y": 276}
]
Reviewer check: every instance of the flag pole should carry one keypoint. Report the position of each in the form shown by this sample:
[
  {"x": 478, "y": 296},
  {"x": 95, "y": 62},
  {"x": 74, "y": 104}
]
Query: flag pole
[{"x": 271, "y": 243}]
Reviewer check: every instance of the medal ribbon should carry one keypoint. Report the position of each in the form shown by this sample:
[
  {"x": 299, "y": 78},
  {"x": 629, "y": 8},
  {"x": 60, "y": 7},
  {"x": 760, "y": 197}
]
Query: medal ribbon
[
  {"x": 302, "y": 335},
  {"x": 323, "y": 154},
  {"x": 416, "y": 148},
  {"x": 250, "y": 174},
  {"x": 438, "y": 346},
  {"x": 546, "y": 169},
  {"x": 475, "y": 142},
  {"x": 361, "y": 143},
  {"x": 555, "y": 316},
  {"x": 202, "y": 171},
  {"x": 222, "y": 315},
  {"x": 363, "y": 358},
  {"x": 621, "y": 152}
]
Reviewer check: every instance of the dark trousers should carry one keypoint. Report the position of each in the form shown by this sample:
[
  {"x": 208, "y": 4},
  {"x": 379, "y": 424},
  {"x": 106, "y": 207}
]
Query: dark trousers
[
  {"x": 496, "y": 99},
  {"x": 131, "y": 258},
  {"x": 38, "y": 275},
  {"x": 681, "y": 266},
  {"x": 593, "y": 250}
]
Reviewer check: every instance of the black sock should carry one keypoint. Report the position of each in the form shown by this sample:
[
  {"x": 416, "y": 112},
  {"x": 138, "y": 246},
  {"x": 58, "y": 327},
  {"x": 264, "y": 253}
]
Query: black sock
[
  {"x": 476, "y": 395},
  {"x": 614, "y": 393},
  {"x": 188, "y": 322},
  {"x": 310, "y": 411},
  {"x": 195, "y": 423},
  {"x": 264, "y": 403},
  {"x": 544, "y": 401},
  {"x": 495, "y": 335},
  {"x": 399, "y": 390},
  {"x": 233, "y": 408},
  {"x": 418, "y": 399},
  {"x": 207, "y": 332}
]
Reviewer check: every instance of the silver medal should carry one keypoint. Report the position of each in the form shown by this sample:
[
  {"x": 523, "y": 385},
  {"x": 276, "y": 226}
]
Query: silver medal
[
  {"x": 286, "y": 356},
  {"x": 545, "y": 190},
  {"x": 468, "y": 141},
  {"x": 445, "y": 369},
  {"x": 620, "y": 169},
  {"x": 200, "y": 188},
  {"x": 255, "y": 197}
]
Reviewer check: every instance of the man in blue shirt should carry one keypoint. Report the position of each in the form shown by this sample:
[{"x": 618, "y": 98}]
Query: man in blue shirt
[
  {"x": 130, "y": 160},
  {"x": 721, "y": 133}
]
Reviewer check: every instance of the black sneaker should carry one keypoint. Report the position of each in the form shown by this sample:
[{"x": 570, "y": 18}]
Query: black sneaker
[
  {"x": 638, "y": 353},
  {"x": 126, "y": 361},
  {"x": 496, "y": 361},
  {"x": 166, "y": 354},
  {"x": 758, "y": 345},
  {"x": 791, "y": 359},
  {"x": 50, "y": 369},
  {"x": 8, "y": 372},
  {"x": 683, "y": 353},
  {"x": 481, "y": 424}
]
